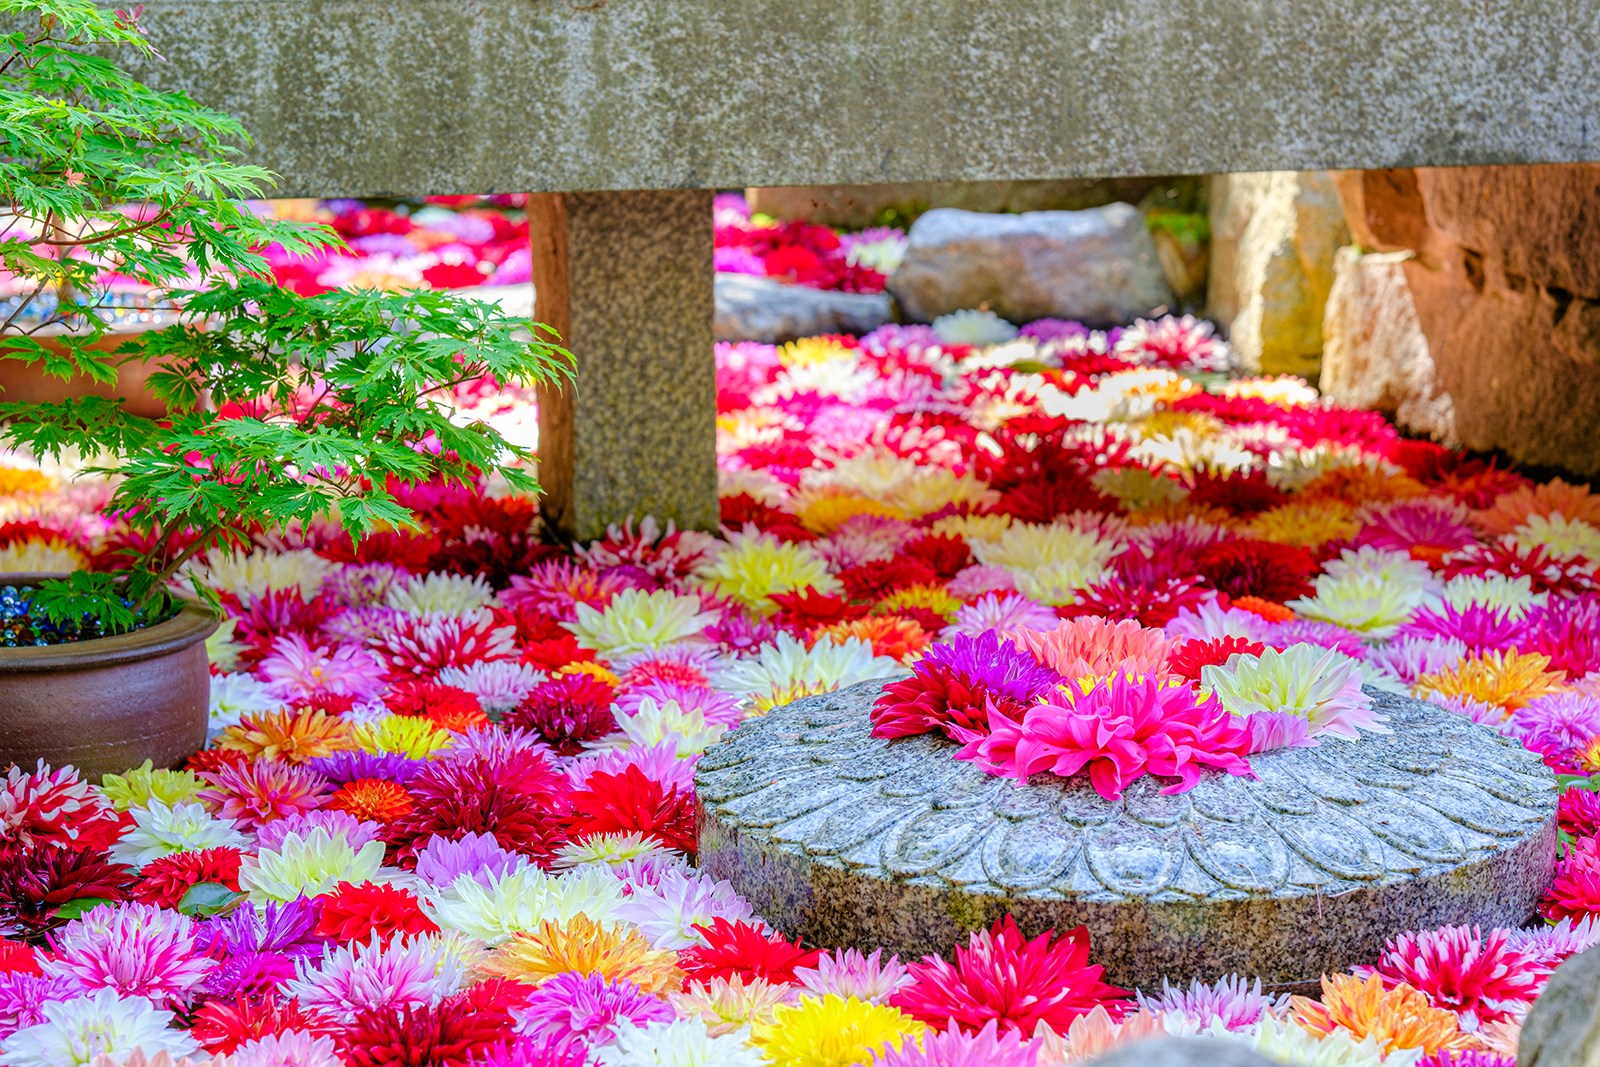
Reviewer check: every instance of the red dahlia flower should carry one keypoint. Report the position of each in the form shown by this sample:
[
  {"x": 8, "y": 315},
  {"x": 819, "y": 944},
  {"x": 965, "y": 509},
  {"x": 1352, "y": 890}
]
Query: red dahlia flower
[
  {"x": 1190, "y": 656},
  {"x": 519, "y": 799},
  {"x": 1239, "y": 492},
  {"x": 946, "y": 554},
  {"x": 806, "y": 609},
  {"x": 1265, "y": 569},
  {"x": 874, "y": 581},
  {"x": 164, "y": 881},
  {"x": 566, "y": 711},
  {"x": 553, "y": 654},
  {"x": 629, "y": 803},
  {"x": 351, "y": 913},
  {"x": 413, "y": 697},
  {"x": 1578, "y": 812},
  {"x": 35, "y": 882},
  {"x": 1018, "y": 983},
  {"x": 1575, "y": 892},
  {"x": 742, "y": 949},
  {"x": 448, "y": 1034},
  {"x": 56, "y": 808},
  {"x": 223, "y": 1025},
  {"x": 1152, "y": 604}
]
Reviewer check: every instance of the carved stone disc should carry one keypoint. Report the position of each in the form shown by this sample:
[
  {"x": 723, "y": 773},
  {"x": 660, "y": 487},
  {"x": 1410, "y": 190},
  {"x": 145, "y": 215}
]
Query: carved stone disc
[{"x": 848, "y": 840}]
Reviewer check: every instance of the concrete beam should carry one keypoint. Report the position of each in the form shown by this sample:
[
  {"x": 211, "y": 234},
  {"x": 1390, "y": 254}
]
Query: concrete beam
[
  {"x": 366, "y": 97},
  {"x": 625, "y": 278}
]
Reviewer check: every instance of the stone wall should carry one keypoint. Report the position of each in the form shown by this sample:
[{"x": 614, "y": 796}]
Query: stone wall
[
  {"x": 1503, "y": 273},
  {"x": 1273, "y": 239},
  {"x": 856, "y": 206}
]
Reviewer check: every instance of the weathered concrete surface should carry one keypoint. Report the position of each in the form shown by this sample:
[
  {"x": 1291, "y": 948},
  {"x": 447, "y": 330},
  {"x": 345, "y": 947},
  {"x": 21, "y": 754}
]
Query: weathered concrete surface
[
  {"x": 1562, "y": 1028},
  {"x": 1374, "y": 354},
  {"x": 625, "y": 278},
  {"x": 856, "y": 206},
  {"x": 362, "y": 97},
  {"x": 760, "y": 309},
  {"x": 1505, "y": 281},
  {"x": 846, "y": 839},
  {"x": 1273, "y": 239},
  {"x": 1098, "y": 267}
]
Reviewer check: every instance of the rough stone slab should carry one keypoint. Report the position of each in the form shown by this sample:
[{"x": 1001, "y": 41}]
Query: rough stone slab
[
  {"x": 363, "y": 97},
  {"x": 759, "y": 309},
  {"x": 1097, "y": 266},
  {"x": 1562, "y": 1028},
  {"x": 625, "y": 278},
  {"x": 845, "y": 839}
]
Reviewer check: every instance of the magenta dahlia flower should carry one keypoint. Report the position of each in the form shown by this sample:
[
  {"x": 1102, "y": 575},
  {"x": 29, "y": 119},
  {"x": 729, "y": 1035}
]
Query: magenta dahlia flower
[
  {"x": 1479, "y": 976},
  {"x": 956, "y": 683},
  {"x": 587, "y": 1007},
  {"x": 1018, "y": 984},
  {"x": 1119, "y": 729},
  {"x": 139, "y": 950}
]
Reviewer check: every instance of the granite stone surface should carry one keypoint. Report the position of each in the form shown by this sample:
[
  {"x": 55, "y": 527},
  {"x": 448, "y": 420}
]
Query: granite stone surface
[
  {"x": 365, "y": 97},
  {"x": 1097, "y": 266},
  {"x": 1562, "y": 1029},
  {"x": 847, "y": 840},
  {"x": 636, "y": 433},
  {"x": 760, "y": 309}
]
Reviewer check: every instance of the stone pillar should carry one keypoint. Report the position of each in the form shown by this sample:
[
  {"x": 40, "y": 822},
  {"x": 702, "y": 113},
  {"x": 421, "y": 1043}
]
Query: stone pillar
[
  {"x": 1273, "y": 238},
  {"x": 626, "y": 279}
]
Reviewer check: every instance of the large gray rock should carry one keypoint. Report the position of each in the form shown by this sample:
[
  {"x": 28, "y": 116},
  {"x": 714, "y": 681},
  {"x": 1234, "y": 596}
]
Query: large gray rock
[
  {"x": 1562, "y": 1028},
  {"x": 1097, "y": 266},
  {"x": 759, "y": 309},
  {"x": 845, "y": 839},
  {"x": 1181, "y": 1052}
]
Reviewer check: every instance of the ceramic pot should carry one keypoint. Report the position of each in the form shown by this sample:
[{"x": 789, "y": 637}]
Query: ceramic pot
[{"x": 109, "y": 704}]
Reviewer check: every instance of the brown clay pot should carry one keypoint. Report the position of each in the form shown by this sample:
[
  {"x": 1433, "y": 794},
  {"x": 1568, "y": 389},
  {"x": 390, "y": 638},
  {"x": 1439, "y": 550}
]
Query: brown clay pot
[
  {"x": 106, "y": 705},
  {"x": 24, "y": 383}
]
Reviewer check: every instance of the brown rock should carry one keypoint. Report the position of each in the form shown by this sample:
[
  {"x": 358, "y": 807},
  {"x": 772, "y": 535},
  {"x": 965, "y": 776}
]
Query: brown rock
[
  {"x": 1273, "y": 239},
  {"x": 1505, "y": 285},
  {"x": 1374, "y": 354},
  {"x": 1562, "y": 1028}
]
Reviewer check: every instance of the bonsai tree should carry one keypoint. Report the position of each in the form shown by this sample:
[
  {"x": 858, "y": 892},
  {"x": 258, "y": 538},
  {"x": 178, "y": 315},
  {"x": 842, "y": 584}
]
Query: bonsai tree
[{"x": 279, "y": 407}]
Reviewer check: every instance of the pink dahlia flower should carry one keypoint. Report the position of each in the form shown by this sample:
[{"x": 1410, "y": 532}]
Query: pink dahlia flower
[
  {"x": 139, "y": 950},
  {"x": 262, "y": 791},
  {"x": 295, "y": 671},
  {"x": 955, "y": 1048},
  {"x": 999, "y": 977},
  {"x": 1479, "y": 976},
  {"x": 1119, "y": 729}
]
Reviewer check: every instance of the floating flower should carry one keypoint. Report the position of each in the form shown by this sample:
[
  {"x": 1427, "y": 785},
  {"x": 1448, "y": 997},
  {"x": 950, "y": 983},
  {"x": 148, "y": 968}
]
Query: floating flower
[
  {"x": 635, "y": 620},
  {"x": 291, "y": 736},
  {"x": 1092, "y": 648},
  {"x": 372, "y": 799},
  {"x": 447, "y": 1034},
  {"x": 355, "y": 831},
  {"x": 658, "y": 724},
  {"x": 516, "y": 797},
  {"x": 1303, "y": 682},
  {"x": 755, "y": 565},
  {"x": 668, "y": 913},
  {"x": 1507, "y": 680},
  {"x": 1396, "y": 1018},
  {"x": 566, "y": 712},
  {"x": 365, "y": 975},
  {"x": 160, "y": 830},
  {"x": 631, "y": 803},
  {"x": 729, "y": 948},
  {"x": 295, "y": 671},
  {"x": 1119, "y": 729},
  {"x": 449, "y": 594},
  {"x": 587, "y": 1008},
  {"x": 787, "y": 668},
  {"x": 299, "y": 1048},
  {"x": 522, "y": 899},
  {"x": 423, "y": 645},
  {"x": 890, "y": 636},
  {"x": 1001, "y": 613},
  {"x": 580, "y": 946},
  {"x": 308, "y": 865},
  {"x": 1478, "y": 977},
  {"x": 726, "y": 1005},
  {"x": 139, "y": 950},
  {"x": 476, "y": 856},
  {"x": 847, "y": 973},
  {"x": 136, "y": 788},
  {"x": 261, "y": 791},
  {"x": 1232, "y": 1002},
  {"x": 400, "y": 735},
  {"x": 952, "y": 685},
  {"x": 1562, "y": 537},
  {"x": 832, "y": 1031},
  {"x": 164, "y": 881},
  {"x": 674, "y": 1043},
  {"x": 353, "y": 913},
  {"x": 75, "y": 1031},
  {"x": 54, "y": 807},
  {"x": 1308, "y": 524}
]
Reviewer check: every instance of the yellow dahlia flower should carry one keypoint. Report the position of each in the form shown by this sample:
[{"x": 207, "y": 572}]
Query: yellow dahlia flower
[{"x": 832, "y": 1032}]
